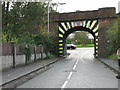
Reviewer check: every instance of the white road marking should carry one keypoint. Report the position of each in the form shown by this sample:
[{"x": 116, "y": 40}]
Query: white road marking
[
  {"x": 74, "y": 67},
  {"x": 75, "y": 64},
  {"x": 65, "y": 84},
  {"x": 69, "y": 76}
]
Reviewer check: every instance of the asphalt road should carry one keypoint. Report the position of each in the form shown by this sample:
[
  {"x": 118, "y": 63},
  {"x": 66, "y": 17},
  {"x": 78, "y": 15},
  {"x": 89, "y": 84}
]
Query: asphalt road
[{"x": 79, "y": 70}]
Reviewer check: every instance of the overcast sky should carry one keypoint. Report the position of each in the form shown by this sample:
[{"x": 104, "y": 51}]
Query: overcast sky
[{"x": 83, "y": 5}]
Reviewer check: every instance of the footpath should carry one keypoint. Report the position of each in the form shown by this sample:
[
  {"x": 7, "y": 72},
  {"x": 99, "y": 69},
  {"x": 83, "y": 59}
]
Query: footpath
[
  {"x": 17, "y": 72},
  {"x": 112, "y": 64}
]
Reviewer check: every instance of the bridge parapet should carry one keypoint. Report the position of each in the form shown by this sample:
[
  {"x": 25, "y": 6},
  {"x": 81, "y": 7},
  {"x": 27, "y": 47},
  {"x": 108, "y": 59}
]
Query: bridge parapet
[{"x": 83, "y": 15}]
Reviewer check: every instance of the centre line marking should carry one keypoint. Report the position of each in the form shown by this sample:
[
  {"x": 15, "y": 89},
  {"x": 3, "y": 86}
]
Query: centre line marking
[
  {"x": 64, "y": 84},
  {"x": 74, "y": 67},
  {"x": 69, "y": 76}
]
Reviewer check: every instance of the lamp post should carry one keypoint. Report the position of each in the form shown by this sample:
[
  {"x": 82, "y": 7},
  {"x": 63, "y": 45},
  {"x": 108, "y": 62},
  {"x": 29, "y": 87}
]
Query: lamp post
[
  {"x": 49, "y": 3},
  {"x": 48, "y": 17},
  {"x": 56, "y": 4}
]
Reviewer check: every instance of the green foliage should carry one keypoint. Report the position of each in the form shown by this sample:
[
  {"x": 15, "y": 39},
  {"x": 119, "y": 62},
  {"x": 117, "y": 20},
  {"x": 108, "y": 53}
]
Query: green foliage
[
  {"x": 21, "y": 19},
  {"x": 52, "y": 55},
  {"x": 118, "y": 18},
  {"x": 88, "y": 45},
  {"x": 113, "y": 56},
  {"x": 26, "y": 22},
  {"x": 26, "y": 39},
  {"x": 70, "y": 40},
  {"x": 79, "y": 45},
  {"x": 44, "y": 39},
  {"x": 112, "y": 38},
  {"x": 79, "y": 38}
]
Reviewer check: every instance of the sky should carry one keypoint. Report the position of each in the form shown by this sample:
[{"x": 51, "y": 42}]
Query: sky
[{"x": 84, "y": 5}]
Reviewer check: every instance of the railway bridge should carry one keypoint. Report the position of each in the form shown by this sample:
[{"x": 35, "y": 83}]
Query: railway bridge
[{"x": 95, "y": 22}]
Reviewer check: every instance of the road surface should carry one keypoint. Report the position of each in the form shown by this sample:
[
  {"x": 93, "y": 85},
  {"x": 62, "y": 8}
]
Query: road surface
[{"x": 79, "y": 70}]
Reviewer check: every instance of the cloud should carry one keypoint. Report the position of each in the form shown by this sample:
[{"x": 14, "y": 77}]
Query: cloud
[{"x": 83, "y": 5}]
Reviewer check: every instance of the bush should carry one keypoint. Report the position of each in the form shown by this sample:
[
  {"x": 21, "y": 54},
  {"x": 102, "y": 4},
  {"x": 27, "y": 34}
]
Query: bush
[
  {"x": 44, "y": 39},
  {"x": 113, "y": 56},
  {"x": 52, "y": 55}
]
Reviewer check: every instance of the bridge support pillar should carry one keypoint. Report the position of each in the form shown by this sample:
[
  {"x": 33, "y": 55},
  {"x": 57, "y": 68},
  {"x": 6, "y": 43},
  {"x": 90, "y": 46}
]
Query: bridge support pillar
[
  {"x": 103, "y": 41},
  {"x": 65, "y": 48}
]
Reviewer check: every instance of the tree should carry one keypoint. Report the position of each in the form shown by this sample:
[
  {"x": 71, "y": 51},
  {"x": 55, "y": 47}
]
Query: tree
[
  {"x": 70, "y": 40},
  {"x": 26, "y": 22},
  {"x": 5, "y": 17},
  {"x": 21, "y": 19},
  {"x": 44, "y": 39},
  {"x": 81, "y": 37}
]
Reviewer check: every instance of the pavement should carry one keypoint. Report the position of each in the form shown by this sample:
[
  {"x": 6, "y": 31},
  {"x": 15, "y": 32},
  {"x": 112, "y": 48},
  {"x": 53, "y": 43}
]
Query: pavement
[
  {"x": 112, "y": 64},
  {"x": 11, "y": 73}
]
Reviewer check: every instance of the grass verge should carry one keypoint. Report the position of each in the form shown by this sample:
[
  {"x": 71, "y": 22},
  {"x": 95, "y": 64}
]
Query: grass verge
[
  {"x": 88, "y": 45},
  {"x": 52, "y": 56},
  {"x": 113, "y": 56}
]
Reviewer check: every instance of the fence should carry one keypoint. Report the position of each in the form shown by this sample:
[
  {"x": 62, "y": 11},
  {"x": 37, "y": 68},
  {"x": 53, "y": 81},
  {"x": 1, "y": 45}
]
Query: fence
[{"x": 19, "y": 54}]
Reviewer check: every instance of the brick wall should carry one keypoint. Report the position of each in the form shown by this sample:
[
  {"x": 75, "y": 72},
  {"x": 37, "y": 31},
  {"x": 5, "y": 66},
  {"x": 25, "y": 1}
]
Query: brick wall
[{"x": 79, "y": 15}]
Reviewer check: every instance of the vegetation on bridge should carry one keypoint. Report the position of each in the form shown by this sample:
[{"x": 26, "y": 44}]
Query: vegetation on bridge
[{"x": 114, "y": 38}]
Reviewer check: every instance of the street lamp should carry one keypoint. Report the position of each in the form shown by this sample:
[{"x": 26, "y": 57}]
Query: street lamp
[
  {"x": 49, "y": 12},
  {"x": 48, "y": 16},
  {"x": 56, "y": 4}
]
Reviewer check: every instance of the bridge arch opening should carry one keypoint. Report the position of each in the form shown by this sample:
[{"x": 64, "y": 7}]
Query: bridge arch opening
[
  {"x": 67, "y": 33},
  {"x": 66, "y": 28},
  {"x": 75, "y": 29}
]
